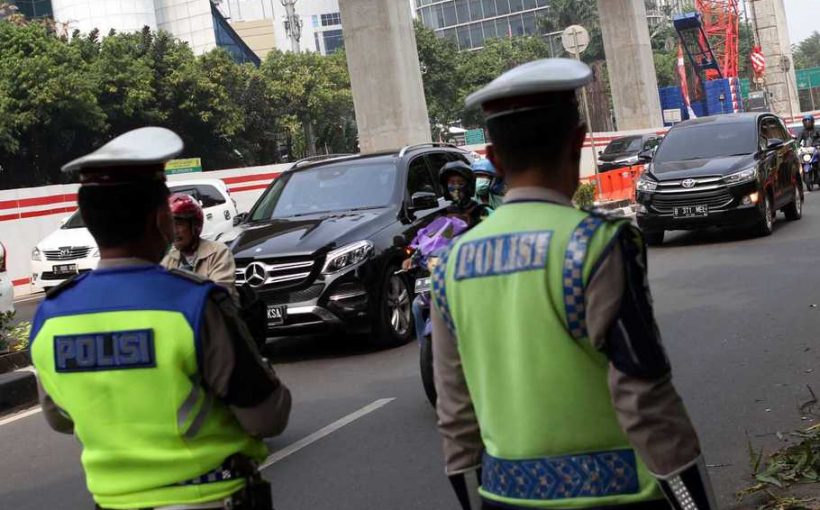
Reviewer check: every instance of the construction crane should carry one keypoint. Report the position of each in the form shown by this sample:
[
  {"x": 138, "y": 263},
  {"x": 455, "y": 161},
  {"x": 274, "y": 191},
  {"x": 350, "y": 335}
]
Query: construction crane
[{"x": 721, "y": 24}]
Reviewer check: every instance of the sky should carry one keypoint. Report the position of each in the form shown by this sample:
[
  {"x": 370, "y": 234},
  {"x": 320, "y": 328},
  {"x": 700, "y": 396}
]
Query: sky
[{"x": 803, "y": 18}]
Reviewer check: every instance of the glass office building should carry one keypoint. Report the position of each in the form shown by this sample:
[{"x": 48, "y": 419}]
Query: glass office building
[
  {"x": 34, "y": 8},
  {"x": 471, "y": 22}
]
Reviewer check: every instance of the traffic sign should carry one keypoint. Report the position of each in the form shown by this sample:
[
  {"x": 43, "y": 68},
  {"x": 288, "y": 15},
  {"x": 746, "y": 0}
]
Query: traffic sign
[
  {"x": 575, "y": 39},
  {"x": 183, "y": 166},
  {"x": 474, "y": 137}
]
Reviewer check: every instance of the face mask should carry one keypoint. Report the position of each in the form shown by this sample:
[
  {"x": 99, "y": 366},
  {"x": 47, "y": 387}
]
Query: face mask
[{"x": 482, "y": 186}]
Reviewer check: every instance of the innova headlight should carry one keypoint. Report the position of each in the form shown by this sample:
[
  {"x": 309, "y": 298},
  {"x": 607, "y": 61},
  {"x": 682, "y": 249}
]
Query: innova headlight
[
  {"x": 645, "y": 184},
  {"x": 747, "y": 175},
  {"x": 36, "y": 254}
]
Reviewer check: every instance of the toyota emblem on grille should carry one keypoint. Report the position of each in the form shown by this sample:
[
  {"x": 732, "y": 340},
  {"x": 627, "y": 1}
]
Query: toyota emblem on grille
[
  {"x": 65, "y": 251},
  {"x": 689, "y": 183},
  {"x": 255, "y": 274}
]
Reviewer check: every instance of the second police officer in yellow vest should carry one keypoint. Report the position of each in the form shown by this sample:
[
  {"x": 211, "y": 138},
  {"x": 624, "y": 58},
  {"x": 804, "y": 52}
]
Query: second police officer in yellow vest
[
  {"x": 552, "y": 380},
  {"x": 152, "y": 370}
]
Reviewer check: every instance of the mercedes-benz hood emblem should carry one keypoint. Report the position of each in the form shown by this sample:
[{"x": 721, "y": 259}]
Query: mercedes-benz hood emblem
[{"x": 255, "y": 274}]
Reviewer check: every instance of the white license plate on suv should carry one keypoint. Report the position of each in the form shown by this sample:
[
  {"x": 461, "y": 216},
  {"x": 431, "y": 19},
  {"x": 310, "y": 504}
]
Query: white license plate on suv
[
  {"x": 690, "y": 211},
  {"x": 276, "y": 315}
]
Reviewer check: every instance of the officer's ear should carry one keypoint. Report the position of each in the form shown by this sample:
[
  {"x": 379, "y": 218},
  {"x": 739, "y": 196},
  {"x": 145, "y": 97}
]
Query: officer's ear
[
  {"x": 579, "y": 137},
  {"x": 493, "y": 158}
]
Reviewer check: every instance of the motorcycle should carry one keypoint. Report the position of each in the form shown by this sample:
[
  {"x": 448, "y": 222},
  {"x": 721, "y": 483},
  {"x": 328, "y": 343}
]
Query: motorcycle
[
  {"x": 425, "y": 249},
  {"x": 810, "y": 161}
]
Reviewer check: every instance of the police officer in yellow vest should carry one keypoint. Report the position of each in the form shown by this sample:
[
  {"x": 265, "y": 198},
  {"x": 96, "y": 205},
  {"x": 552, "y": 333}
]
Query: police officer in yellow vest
[
  {"x": 552, "y": 380},
  {"x": 152, "y": 370}
]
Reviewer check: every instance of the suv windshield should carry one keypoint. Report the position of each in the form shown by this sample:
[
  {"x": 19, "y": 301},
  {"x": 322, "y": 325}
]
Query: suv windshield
[
  {"x": 624, "y": 145},
  {"x": 74, "y": 221},
  {"x": 329, "y": 188},
  {"x": 706, "y": 141}
]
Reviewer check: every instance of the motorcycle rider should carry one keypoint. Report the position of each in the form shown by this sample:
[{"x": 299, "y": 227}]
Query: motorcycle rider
[
  {"x": 810, "y": 136},
  {"x": 211, "y": 260},
  {"x": 152, "y": 370},
  {"x": 562, "y": 397},
  {"x": 487, "y": 184},
  {"x": 458, "y": 182}
]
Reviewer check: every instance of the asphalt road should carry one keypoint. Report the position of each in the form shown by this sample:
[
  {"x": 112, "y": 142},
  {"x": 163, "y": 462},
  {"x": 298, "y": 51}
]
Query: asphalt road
[{"x": 738, "y": 324}]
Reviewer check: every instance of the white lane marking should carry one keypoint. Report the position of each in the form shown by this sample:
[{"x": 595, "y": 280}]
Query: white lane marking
[
  {"x": 323, "y": 432},
  {"x": 20, "y": 416}
]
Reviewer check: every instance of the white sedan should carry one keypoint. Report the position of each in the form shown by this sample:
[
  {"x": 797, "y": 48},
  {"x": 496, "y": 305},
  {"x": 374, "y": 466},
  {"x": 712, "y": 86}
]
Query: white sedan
[{"x": 71, "y": 249}]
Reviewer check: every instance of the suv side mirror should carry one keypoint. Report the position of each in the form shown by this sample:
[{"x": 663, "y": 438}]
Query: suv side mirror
[
  {"x": 239, "y": 218},
  {"x": 646, "y": 155},
  {"x": 774, "y": 143},
  {"x": 423, "y": 200}
]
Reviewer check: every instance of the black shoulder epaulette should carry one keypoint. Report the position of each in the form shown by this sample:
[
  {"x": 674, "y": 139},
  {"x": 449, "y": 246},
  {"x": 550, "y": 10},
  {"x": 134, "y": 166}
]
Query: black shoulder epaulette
[
  {"x": 188, "y": 275},
  {"x": 66, "y": 284}
]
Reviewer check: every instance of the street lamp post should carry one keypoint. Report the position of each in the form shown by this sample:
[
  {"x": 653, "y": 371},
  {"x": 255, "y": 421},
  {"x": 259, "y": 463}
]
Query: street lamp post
[{"x": 293, "y": 24}]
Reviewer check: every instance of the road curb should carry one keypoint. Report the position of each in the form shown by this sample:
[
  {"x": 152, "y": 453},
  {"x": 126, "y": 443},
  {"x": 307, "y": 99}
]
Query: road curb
[{"x": 17, "y": 390}]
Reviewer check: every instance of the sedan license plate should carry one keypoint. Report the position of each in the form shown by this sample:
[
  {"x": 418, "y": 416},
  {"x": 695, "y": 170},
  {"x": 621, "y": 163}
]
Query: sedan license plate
[
  {"x": 691, "y": 211},
  {"x": 276, "y": 315},
  {"x": 422, "y": 285},
  {"x": 65, "y": 269}
]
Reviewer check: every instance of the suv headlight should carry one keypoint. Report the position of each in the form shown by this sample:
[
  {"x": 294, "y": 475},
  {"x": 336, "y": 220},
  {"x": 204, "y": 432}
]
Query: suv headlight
[
  {"x": 95, "y": 254},
  {"x": 36, "y": 254},
  {"x": 645, "y": 184},
  {"x": 807, "y": 157},
  {"x": 741, "y": 177},
  {"x": 347, "y": 256}
]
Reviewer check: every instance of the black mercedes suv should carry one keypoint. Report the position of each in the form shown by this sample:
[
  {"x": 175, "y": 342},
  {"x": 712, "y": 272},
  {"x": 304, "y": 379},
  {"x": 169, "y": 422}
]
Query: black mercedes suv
[
  {"x": 323, "y": 244},
  {"x": 727, "y": 170}
]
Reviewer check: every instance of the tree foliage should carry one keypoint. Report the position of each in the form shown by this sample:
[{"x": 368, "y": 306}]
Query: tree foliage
[
  {"x": 807, "y": 52},
  {"x": 61, "y": 97}
]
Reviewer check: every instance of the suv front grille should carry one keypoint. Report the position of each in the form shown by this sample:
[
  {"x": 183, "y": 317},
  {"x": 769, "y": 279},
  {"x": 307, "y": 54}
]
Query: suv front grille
[
  {"x": 273, "y": 274},
  {"x": 298, "y": 296},
  {"x": 68, "y": 253},
  {"x": 665, "y": 203}
]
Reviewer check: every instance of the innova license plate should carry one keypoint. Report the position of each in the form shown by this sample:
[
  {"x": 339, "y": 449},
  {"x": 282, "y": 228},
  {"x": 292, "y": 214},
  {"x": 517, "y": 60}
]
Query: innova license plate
[
  {"x": 65, "y": 269},
  {"x": 276, "y": 315},
  {"x": 690, "y": 211}
]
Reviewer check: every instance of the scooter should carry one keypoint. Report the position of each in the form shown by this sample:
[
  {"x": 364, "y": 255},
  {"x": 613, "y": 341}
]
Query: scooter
[
  {"x": 429, "y": 242},
  {"x": 810, "y": 161}
]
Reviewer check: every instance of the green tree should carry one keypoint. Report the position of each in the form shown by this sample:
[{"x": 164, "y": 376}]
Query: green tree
[
  {"x": 498, "y": 55},
  {"x": 48, "y": 102},
  {"x": 312, "y": 94},
  {"x": 439, "y": 60},
  {"x": 807, "y": 52}
]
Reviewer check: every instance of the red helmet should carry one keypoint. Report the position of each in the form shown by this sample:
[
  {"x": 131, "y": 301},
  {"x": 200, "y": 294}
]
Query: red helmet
[{"x": 185, "y": 207}]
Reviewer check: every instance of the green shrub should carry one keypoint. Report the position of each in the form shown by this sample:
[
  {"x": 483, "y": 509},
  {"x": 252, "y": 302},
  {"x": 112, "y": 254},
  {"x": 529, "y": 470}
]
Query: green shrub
[
  {"x": 13, "y": 337},
  {"x": 584, "y": 195}
]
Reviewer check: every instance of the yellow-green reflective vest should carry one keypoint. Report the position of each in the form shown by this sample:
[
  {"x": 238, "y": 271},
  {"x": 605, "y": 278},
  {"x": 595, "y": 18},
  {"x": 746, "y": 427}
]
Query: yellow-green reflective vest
[
  {"x": 512, "y": 290},
  {"x": 118, "y": 351}
]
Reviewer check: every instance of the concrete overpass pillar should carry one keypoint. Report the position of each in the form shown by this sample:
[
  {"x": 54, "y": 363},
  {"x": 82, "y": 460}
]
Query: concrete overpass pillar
[
  {"x": 630, "y": 64},
  {"x": 388, "y": 93},
  {"x": 773, "y": 33}
]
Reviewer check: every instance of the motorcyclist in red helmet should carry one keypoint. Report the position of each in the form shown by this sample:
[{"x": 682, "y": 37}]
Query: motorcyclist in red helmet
[{"x": 190, "y": 252}]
